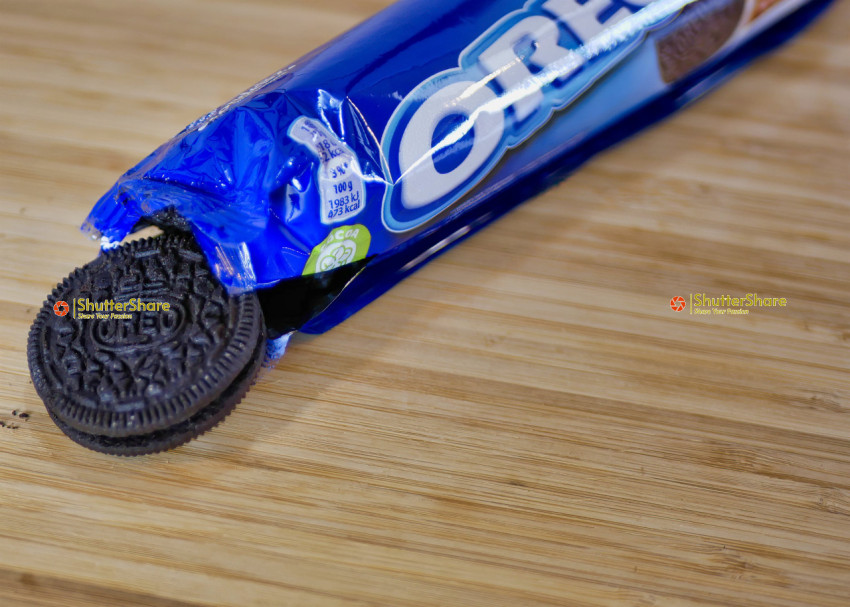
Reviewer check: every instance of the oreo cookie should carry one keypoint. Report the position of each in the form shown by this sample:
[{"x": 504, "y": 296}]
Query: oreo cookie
[
  {"x": 701, "y": 29},
  {"x": 142, "y": 349}
]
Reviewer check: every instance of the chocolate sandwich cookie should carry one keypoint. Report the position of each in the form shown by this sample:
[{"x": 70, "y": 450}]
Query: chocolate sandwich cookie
[
  {"x": 702, "y": 28},
  {"x": 142, "y": 349}
]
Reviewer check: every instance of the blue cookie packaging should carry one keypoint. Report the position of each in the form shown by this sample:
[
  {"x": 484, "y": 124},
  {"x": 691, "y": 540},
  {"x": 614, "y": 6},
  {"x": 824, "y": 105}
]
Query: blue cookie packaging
[{"x": 328, "y": 182}]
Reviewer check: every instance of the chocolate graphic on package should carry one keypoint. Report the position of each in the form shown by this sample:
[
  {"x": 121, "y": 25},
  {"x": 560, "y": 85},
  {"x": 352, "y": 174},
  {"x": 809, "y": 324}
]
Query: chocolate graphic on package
[
  {"x": 147, "y": 371},
  {"x": 699, "y": 32}
]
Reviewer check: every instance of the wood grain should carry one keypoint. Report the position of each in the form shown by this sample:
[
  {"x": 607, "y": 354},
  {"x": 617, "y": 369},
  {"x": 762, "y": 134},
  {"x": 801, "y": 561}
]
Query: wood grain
[{"x": 525, "y": 421}]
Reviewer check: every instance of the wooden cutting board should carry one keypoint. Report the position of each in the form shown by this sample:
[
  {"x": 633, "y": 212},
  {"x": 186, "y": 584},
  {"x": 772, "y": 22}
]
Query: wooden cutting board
[{"x": 525, "y": 421}]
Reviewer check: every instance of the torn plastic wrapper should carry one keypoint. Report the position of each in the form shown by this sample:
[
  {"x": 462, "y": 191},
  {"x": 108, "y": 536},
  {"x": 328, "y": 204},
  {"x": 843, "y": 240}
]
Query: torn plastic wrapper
[{"x": 328, "y": 182}]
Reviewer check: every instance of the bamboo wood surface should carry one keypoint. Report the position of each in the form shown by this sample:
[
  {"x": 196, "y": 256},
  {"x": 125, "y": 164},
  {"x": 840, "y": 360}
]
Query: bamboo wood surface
[{"x": 525, "y": 421}]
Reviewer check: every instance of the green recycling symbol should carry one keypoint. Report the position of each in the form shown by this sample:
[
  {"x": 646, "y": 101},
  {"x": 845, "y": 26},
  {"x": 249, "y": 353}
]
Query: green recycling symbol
[{"x": 343, "y": 245}]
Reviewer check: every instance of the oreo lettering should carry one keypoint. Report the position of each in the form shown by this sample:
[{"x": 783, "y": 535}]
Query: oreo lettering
[{"x": 452, "y": 129}]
